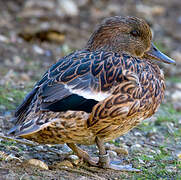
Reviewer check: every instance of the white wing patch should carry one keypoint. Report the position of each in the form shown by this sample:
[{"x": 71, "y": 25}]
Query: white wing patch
[{"x": 88, "y": 94}]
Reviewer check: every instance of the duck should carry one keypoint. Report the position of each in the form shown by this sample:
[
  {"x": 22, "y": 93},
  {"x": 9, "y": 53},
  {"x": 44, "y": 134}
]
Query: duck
[{"x": 97, "y": 93}]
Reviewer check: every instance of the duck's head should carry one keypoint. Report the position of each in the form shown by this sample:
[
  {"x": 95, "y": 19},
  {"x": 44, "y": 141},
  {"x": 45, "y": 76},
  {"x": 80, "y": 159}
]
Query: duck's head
[{"x": 128, "y": 35}]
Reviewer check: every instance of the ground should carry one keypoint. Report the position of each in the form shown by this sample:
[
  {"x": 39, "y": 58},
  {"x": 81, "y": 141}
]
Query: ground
[{"x": 36, "y": 33}]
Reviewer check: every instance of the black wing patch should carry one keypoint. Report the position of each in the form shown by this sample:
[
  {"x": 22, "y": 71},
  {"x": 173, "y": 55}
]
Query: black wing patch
[{"x": 73, "y": 102}]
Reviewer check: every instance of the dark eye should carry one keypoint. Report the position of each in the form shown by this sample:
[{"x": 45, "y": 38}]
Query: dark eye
[{"x": 135, "y": 33}]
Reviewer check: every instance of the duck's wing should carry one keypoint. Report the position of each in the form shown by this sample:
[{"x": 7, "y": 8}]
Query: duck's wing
[{"x": 76, "y": 82}]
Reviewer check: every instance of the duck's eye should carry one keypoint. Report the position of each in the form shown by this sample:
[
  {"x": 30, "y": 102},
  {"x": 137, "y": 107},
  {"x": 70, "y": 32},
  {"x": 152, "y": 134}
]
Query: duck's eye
[{"x": 135, "y": 33}]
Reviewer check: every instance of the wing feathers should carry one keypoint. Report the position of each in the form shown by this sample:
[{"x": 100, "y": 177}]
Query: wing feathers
[{"x": 76, "y": 82}]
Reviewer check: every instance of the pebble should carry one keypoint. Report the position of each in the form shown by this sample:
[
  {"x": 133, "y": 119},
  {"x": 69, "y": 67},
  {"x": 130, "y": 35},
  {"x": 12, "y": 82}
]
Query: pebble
[
  {"x": 27, "y": 177},
  {"x": 25, "y": 77},
  {"x": 40, "y": 4},
  {"x": 179, "y": 121},
  {"x": 69, "y": 7},
  {"x": 136, "y": 148},
  {"x": 38, "y": 163},
  {"x": 177, "y": 106},
  {"x": 158, "y": 151},
  {"x": 65, "y": 163},
  {"x": 16, "y": 60},
  {"x": 170, "y": 169},
  {"x": 109, "y": 146},
  {"x": 38, "y": 49},
  {"x": 3, "y": 38},
  {"x": 144, "y": 9},
  {"x": 178, "y": 85},
  {"x": 121, "y": 151},
  {"x": 158, "y": 10},
  {"x": 39, "y": 148},
  {"x": 137, "y": 134},
  {"x": 141, "y": 161},
  {"x": 81, "y": 3},
  {"x": 112, "y": 154},
  {"x": 176, "y": 55},
  {"x": 73, "y": 158},
  {"x": 176, "y": 96}
]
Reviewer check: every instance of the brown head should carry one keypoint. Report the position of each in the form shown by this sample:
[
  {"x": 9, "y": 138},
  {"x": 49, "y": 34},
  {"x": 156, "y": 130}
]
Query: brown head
[{"x": 130, "y": 35}]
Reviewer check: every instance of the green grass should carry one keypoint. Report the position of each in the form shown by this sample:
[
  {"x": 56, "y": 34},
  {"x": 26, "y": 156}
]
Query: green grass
[
  {"x": 162, "y": 165},
  {"x": 10, "y": 97},
  {"x": 157, "y": 166},
  {"x": 174, "y": 79}
]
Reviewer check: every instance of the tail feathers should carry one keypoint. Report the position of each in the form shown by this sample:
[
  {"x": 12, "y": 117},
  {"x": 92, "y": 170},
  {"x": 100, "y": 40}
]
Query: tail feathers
[
  {"x": 17, "y": 132},
  {"x": 13, "y": 130},
  {"x": 22, "y": 108},
  {"x": 30, "y": 127}
]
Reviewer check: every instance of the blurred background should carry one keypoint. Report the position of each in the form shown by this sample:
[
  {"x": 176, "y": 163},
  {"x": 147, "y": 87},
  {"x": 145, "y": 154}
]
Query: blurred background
[{"x": 35, "y": 33}]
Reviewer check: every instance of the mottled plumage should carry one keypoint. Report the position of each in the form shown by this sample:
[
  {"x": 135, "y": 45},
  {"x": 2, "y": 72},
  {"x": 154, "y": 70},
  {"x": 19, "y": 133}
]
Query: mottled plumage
[{"x": 98, "y": 93}]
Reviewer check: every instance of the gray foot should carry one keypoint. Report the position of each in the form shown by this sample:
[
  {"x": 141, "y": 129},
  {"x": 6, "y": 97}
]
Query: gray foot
[
  {"x": 105, "y": 162},
  {"x": 122, "y": 167}
]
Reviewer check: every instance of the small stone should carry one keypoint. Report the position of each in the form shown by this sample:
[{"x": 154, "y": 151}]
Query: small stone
[
  {"x": 137, "y": 134},
  {"x": 176, "y": 96},
  {"x": 112, "y": 154},
  {"x": 25, "y": 77},
  {"x": 121, "y": 151},
  {"x": 177, "y": 106},
  {"x": 27, "y": 177},
  {"x": 81, "y": 3},
  {"x": 158, "y": 151},
  {"x": 141, "y": 161},
  {"x": 158, "y": 10},
  {"x": 39, "y": 4},
  {"x": 38, "y": 163},
  {"x": 3, "y": 38},
  {"x": 65, "y": 163},
  {"x": 38, "y": 49},
  {"x": 83, "y": 178},
  {"x": 69, "y": 7},
  {"x": 171, "y": 169},
  {"x": 179, "y": 121},
  {"x": 16, "y": 60},
  {"x": 109, "y": 146},
  {"x": 178, "y": 85},
  {"x": 144, "y": 9},
  {"x": 39, "y": 148},
  {"x": 74, "y": 159},
  {"x": 136, "y": 148},
  {"x": 176, "y": 55}
]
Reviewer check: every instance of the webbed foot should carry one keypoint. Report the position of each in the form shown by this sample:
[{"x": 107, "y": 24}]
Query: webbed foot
[{"x": 104, "y": 162}]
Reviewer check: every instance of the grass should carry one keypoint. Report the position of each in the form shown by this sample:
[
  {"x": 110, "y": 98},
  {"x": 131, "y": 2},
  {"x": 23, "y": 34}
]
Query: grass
[
  {"x": 174, "y": 79},
  {"x": 10, "y": 97},
  {"x": 162, "y": 165}
]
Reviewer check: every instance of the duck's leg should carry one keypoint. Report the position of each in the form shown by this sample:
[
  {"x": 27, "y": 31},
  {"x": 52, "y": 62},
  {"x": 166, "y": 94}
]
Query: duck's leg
[
  {"x": 104, "y": 160},
  {"x": 82, "y": 154}
]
